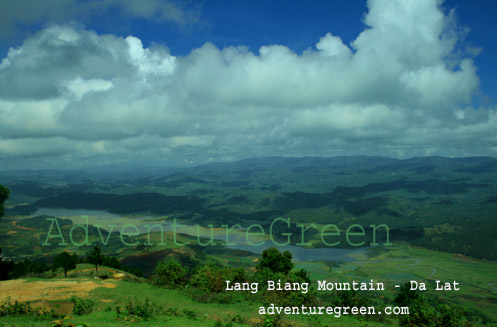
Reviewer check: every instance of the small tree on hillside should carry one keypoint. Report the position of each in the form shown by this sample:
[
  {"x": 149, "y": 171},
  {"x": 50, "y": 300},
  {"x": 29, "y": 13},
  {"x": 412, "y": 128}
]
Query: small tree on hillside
[
  {"x": 95, "y": 257},
  {"x": 276, "y": 261},
  {"x": 65, "y": 261},
  {"x": 4, "y": 194}
]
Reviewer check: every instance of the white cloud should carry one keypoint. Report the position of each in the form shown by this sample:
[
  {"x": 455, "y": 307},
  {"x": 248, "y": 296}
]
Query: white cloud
[
  {"x": 148, "y": 61},
  {"x": 400, "y": 89},
  {"x": 333, "y": 46},
  {"x": 80, "y": 87}
]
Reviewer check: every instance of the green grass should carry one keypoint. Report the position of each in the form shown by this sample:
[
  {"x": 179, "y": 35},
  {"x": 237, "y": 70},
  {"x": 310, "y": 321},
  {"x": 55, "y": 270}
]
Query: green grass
[
  {"x": 401, "y": 263},
  {"x": 206, "y": 314}
]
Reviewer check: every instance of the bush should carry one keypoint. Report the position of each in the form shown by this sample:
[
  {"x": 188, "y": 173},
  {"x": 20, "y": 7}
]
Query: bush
[
  {"x": 209, "y": 279},
  {"x": 286, "y": 298},
  {"x": 229, "y": 321},
  {"x": 169, "y": 274},
  {"x": 21, "y": 308},
  {"x": 134, "y": 308},
  {"x": 16, "y": 308},
  {"x": 450, "y": 315},
  {"x": 190, "y": 314},
  {"x": 425, "y": 311},
  {"x": 82, "y": 306},
  {"x": 272, "y": 321},
  {"x": 212, "y": 279}
]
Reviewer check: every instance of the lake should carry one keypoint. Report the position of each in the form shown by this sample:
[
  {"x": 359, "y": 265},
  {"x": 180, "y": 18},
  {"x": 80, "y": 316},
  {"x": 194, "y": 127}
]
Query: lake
[{"x": 237, "y": 236}]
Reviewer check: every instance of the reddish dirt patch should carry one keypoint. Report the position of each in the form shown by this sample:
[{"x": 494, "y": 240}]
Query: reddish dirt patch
[
  {"x": 25, "y": 228},
  {"x": 22, "y": 291}
]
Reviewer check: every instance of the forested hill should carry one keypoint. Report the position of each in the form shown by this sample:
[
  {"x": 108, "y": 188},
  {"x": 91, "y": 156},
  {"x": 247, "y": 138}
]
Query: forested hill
[
  {"x": 446, "y": 204},
  {"x": 127, "y": 203}
]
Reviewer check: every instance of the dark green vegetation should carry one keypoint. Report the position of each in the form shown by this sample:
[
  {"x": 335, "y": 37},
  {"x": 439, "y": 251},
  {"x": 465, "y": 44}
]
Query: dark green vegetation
[
  {"x": 4, "y": 267},
  {"x": 439, "y": 203},
  {"x": 65, "y": 261},
  {"x": 95, "y": 257},
  {"x": 441, "y": 213},
  {"x": 4, "y": 194},
  {"x": 428, "y": 311},
  {"x": 275, "y": 261},
  {"x": 127, "y": 203}
]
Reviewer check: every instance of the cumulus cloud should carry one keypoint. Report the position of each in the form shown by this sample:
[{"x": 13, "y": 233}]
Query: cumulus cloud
[{"x": 399, "y": 89}]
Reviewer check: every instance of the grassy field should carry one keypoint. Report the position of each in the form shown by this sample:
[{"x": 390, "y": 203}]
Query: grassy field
[
  {"x": 476, "y": 278},
  {"x": 183, "y": 311},
  {"x": 401, "y": 263}
]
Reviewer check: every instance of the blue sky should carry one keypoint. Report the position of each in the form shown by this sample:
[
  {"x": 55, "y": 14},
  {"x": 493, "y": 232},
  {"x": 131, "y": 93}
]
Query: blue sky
[{"x": 104, "y": 82}]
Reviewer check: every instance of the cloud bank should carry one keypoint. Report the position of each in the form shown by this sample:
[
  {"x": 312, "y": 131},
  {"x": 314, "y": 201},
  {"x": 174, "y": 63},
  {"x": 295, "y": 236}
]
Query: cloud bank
[{"x": 402, "y": 88}]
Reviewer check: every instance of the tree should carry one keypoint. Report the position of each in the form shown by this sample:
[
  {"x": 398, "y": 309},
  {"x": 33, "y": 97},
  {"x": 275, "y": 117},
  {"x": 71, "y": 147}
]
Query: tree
[
  {"x": 28, "y": 267},
  {"x": 406, "y": 296},
  {"x": 425, "y": 312},
  {"x": 275, "y": 261},
  {"x": 4, "y": 194},
  {"x": 65, "y": 261},
  {"x": 210, "y": 279},
  {"x": 95, "y": 257},
  {"x": 111, "y": 262}
]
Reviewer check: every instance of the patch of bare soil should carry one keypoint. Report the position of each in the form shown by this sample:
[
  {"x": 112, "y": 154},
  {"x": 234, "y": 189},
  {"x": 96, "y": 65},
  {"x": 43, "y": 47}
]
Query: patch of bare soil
[{"x": 23, "y": 291}]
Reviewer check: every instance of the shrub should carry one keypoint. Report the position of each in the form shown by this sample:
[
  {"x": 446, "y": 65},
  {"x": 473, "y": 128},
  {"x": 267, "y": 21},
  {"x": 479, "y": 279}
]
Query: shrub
[
  {"x": 209, "y": 279},
  {"x": 272, "y": 321},
  {"x": 426, "y": 311},
  {"x": 450, "y": 315},
  {"x": 190, "y": 314},
  {"x": 286, "y": 298},
  {"x": 21, "y": 308},
  {"x": 16, "y": 308},
  {"x": 82, "y": 306},
  {"x": 170, "y": 274},
  {"x": 134, "y": 308}
]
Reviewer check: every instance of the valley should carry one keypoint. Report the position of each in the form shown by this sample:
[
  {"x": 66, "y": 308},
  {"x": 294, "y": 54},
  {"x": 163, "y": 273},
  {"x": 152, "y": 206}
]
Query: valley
[{"x": 342, "y": 219}]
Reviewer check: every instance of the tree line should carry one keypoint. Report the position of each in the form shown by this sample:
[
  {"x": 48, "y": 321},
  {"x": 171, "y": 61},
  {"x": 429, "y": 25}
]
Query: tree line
[{"x": 63, "y": 261}]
